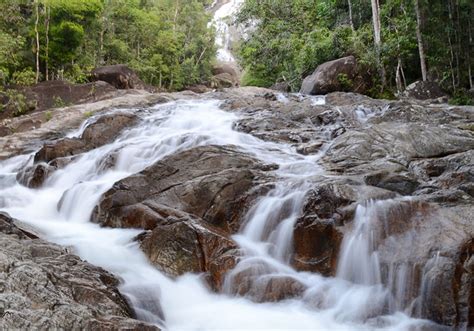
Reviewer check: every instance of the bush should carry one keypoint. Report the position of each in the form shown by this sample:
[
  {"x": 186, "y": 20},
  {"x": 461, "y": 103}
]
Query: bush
[
  {"x": 26, "y": 77},
  {"x": 58, "y": 102},
  {"x": 250, "y": 78},
  {"x": 16, "y": 103},
  {"x": 346, "y": 83},
  {"x": 462, "y": 98}
]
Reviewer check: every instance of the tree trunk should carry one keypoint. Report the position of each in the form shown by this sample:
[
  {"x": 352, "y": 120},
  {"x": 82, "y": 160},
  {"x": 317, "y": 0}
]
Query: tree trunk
[
  {"x": 451, "y": 45},
  {"x": 378, "y": 38},
  {"x": 351, "y": 21},
  {"x": 471, "y": 86},
  {"x": 421, "y": 48},
  {"x": 37, "y": 51},
  {"x": 48, "y": 17},
  {"x": 175, "y": 20}
]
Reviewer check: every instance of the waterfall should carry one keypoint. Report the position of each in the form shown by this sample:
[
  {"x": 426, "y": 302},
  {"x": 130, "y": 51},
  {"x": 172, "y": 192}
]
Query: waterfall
[
  {"x": 61, "y": 209},
  {"x": 222, "y": 23}
]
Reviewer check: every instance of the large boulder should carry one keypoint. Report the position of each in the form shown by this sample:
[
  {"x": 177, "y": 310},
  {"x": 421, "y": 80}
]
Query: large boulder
[
  {"x": 332, "y": 76},
  {"x": 100, "y": 132},
  {"x": 225, "y": 75},
  {"x": 50, "y": 94},
  {"x": 178, "y": 246},
  {"x": 42, "y": 286},
  {"x": 214, "y": 183},
  {"x": 58, "y": 154},
  {"x": 191, "y": 202},
  {"x": 424, "y": 91},
  {"x": 119, "y": 75}
]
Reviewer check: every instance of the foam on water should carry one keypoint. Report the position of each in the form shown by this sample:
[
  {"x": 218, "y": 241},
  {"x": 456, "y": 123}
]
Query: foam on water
[{"x": 62, "y": 208}]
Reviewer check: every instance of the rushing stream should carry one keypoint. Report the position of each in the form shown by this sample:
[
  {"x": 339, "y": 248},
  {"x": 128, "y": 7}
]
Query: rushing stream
[{"x": 61, "y": 209}]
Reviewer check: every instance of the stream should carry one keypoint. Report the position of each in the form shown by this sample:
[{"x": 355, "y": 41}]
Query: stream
[{"x": 61, "y": 209}]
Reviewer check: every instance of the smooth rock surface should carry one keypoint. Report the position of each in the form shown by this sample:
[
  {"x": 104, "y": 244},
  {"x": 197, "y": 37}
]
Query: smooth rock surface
[{"x": 42, "y": 286}]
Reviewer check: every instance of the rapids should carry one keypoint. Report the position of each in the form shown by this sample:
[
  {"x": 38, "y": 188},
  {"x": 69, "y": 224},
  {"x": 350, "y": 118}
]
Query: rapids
[{"x": 61, "y": 209}]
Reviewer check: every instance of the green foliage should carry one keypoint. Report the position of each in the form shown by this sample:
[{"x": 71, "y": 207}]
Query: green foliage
[
  {"x": 346, "y": 82},
  {"x": 26, "y": 77},
  {"x": 58, "y": 102},
  {"x": 289, "y": 39},
  {"x": 48, "y": 115},
  {"x": 17, "y": 102},
  {"x": 249, "y": 80},
  {"x": 10, "y": 55},
  {"x": 462, "y": 98},
  {"x": 168, "y": 42}
]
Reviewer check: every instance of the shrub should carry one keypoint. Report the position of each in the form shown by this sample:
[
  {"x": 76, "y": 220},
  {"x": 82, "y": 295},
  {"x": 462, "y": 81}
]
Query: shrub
[
  {"x": 58, "y": 102},
  {"x": 462, "y": 98},
  {"x": 26, "y": 77}
]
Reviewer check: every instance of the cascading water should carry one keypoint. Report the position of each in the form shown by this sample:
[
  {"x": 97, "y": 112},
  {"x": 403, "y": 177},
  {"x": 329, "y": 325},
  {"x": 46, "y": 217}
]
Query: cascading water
[
  {"x": 62, "y": 207},
  {"x": 223, "y": 28}
]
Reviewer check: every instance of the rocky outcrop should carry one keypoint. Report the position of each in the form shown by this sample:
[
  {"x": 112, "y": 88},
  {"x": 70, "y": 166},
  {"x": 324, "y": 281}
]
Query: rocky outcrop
[
  {"x": 425, "y": 91},
  {"x": 191, "y": 202},
  {"x": 56, "y": 155},
  {"x": 120, "y": 76},
  {"x": 379, "y": 151},
  {"x": 27, "y": 133},
  {"x": 411, "y": 162},
  {"x": 179, "y": 246},
  {"x": 213, "y": 183},
  {"x": 332, "y": 76},
  {"x": 42, "y": 286},
  {"x": 225, "y": 75},
  {"x": 52, "y": 94}
]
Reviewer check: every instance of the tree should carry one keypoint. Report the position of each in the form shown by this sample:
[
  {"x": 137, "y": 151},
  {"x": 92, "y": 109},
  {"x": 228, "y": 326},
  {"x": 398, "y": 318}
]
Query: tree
[
  {"x": 421, "y": 48},
  {"x": 37, "y": 49}
]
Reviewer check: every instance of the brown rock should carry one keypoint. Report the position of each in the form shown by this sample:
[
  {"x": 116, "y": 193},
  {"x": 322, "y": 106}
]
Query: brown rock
[
  {"x": 120, "y": 76},
  {"x": 213, "y": 183},
  {"x": 328, "y": 76},
  {"x": 316, "y": 246},
  {"x": 99, "y": 133},
  {"x": 179, "y": 246},
  {"x": 256, "y": 282}
]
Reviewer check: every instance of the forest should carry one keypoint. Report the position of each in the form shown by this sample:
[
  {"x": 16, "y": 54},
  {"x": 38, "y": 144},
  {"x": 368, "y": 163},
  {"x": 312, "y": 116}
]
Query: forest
[
  {"x": 397, "y": 41},
  {"x": 170, "y": 43},
  {"x": 167, "y": 42},
  {"x": 203, "y": 165}
]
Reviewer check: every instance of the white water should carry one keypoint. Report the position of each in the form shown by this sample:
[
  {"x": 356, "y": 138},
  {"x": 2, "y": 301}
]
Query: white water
[
  {"x": 344, "y": 303},
  {"x": 222, "y": 24}
]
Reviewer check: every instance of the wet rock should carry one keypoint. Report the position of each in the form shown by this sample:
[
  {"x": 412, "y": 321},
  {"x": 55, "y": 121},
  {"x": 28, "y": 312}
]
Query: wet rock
[
  {"x": 223, "y": 80},
  {"x": 317, "y": 233},
  {"x": 213, "y": 183},
  {"x": 402, "y": 184},
  {"x": 34, "y": 176},
  {"x": 99, "y": 133},
  {"x": 258, "y": 283},
  {"x": 316, "y": 246},
  {"x": 434, "y": 246},
  {"x": 330, "y": 76},
  {"x": 198, "y": 88},
  {"x": 225, "y": 75},
  {"x": 62, "y": 148},
  {"x": 43, "y": 286},
  {"x": 120, "y": 76},
  {"x": 178, "y": 246},
  {"x": 281, "y": 87}
]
